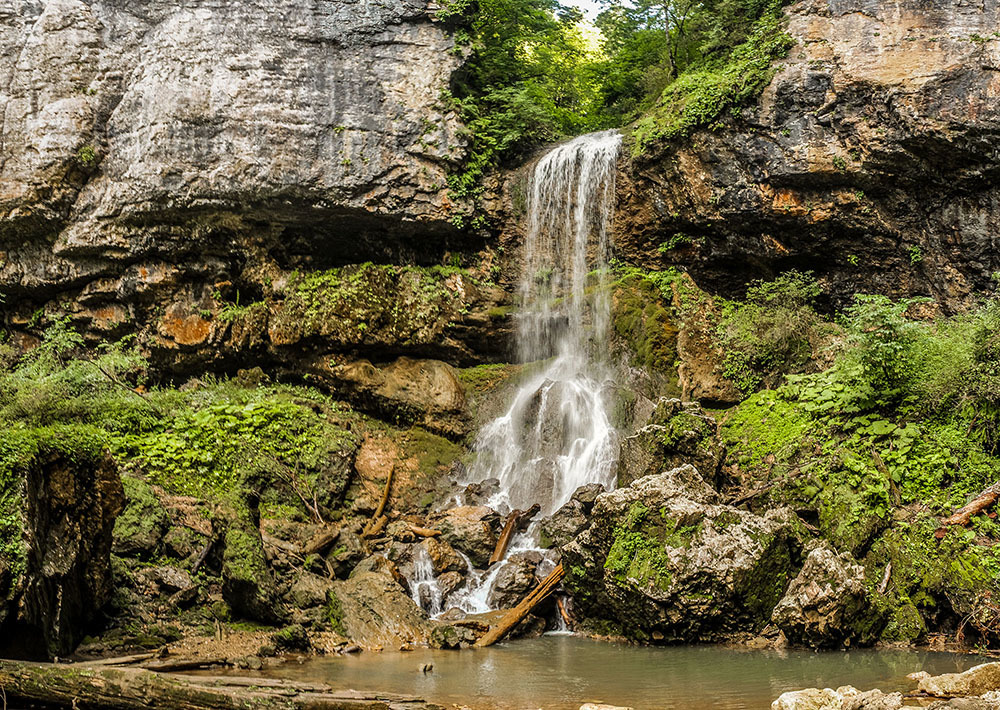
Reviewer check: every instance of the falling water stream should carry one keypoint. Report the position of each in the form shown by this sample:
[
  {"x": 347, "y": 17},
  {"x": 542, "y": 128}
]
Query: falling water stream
[{"x": 556, "y": 434}]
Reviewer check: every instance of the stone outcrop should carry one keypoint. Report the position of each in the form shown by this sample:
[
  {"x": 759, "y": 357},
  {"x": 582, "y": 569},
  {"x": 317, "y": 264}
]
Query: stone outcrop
[
  {"x": 843, "y": 698},
  {"x": 373, "y": 609},
  {"x": 662, "y": 560},
  {"x": 870, "y": 159},
  {"x": 826, "y": 604},
  {"x": 57, "y": 513}
]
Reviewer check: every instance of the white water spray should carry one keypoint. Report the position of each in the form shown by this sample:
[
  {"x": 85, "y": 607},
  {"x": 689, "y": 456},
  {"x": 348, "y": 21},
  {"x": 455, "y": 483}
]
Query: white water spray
[{"x": 557, "y": 435}]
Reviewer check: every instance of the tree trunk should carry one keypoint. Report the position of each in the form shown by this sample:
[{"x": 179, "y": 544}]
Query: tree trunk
[
  {"x": 136, "y": 689},
  {"x": 515, "y": 615}
]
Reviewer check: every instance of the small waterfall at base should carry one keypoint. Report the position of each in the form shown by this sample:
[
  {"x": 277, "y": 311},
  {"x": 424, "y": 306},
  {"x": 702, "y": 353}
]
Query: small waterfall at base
[{"x": 557, "y": 435}]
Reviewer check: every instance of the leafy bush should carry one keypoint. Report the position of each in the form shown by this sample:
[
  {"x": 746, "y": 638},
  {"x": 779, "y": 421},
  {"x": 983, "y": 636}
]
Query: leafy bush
[{"x": 771, "y": 333}]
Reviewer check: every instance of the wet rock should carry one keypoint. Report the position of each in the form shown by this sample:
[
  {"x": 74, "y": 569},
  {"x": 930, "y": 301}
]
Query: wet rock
[
  {"x": 452, "y": 636},
  {"x": 844, "y": 698},
  {"x": 514, "y": 580},
  {"x": 677, "y": 434},
  {"x": 660, "y": 558},
  {"x": 825, "y": 603},
  {"x": 373, "y": 610},
  {"x": 570, "y": 519},
  {"x": 978, "y": 680},
  {"x": 309, "y": 590},
  {"x": 443, "y": 557},
  {"x": 141, "y": 527},
  {"x": 471, "y": 529},
  {"x": 58, "y": 503},
  {"x": 449, "y": 582}
]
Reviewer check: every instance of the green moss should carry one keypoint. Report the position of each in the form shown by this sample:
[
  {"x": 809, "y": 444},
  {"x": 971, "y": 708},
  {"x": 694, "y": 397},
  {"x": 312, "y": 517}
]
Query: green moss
[
  {"x": 638, "y": 550},
  {"x": 482, "y": 378},
  {"x": 643, "y": 319},
  {"x": 142, "y": 524},
  {"x": 368, "y": 304},
  {"x": 764, "y": 430},
  {"x": 335, "y": 613}
]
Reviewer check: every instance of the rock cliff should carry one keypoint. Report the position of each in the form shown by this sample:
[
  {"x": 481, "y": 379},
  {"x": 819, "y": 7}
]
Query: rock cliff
[{"x": 870, "y": 159}]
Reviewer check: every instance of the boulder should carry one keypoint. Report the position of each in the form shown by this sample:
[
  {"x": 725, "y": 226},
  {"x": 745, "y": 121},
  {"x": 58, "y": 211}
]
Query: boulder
[
  {"x": 309, "y": 591},
  {"x": 843, "y": 698},
  {"x": 661, "y": 560},
  {"x": 443, "y": 556},
  {"x": 825, "y": 605},
  {"x": 678, "y": 433},
  {"x": 514, "y": 580},
  {"x": 471, "y": 529},
  {"x": 142, "y": 526},
  {"x": 59, "y": 496},
  {"x": 978, "y": 680},
  {"x": 247, "y": 582},
  {"x": 347, "y": 552},
  {"x": 374, "y": 611},
  {"x": 565, "y": 523}
]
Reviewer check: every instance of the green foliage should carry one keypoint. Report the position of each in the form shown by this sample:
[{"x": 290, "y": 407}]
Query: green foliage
[
  {"x": 706, "y": 90},
  {"x": 87, "y": 155},
  {"x": 771, "y": 333},
  {"x": 525, "y": 83}
]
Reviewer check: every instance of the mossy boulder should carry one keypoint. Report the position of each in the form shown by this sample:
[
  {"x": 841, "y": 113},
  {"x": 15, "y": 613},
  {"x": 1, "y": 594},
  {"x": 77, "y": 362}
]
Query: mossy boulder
[
  {"x": 247, "y": 582},
  {"x": 142, "y": 526},
  {"x": 678, "y": 433},
  {"x": 374, "y": 611},
  {"x": 59, "y": 496},
  {"x": 662, "y": 560}
]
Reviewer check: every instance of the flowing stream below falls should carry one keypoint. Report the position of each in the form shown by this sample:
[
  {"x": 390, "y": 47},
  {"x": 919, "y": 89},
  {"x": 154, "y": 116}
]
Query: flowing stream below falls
[{"x": 562, "y": 672}]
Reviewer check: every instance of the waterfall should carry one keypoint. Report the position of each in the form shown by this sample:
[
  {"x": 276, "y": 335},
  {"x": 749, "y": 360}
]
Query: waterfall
[
  {"x": 557, "y": 434},
  {"x": 424, "y": 588}
]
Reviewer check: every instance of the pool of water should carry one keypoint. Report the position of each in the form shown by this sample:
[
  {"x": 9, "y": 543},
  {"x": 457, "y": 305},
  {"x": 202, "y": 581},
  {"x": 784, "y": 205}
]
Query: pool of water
[{"x": 562, "y": 672}]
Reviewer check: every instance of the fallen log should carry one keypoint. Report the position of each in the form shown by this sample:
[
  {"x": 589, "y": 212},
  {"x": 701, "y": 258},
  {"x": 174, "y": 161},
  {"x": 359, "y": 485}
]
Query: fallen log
[
  {"x": 72, "y": 686},
  {"x": 515, "y": 615},
  {"x": 376, "y": 526},
  {"x": 516, "y": 520},
  {"x": 423, "y": 532},
  {"x": 963, "y": 516}
]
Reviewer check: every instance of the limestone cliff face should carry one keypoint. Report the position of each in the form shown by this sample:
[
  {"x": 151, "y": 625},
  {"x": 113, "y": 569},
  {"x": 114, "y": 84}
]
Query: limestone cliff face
[
  {"x": 872, "y": 159},
  {"x": 151, "y": 150}
]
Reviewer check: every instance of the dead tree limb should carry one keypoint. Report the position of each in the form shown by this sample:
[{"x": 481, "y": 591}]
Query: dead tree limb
[
  {"x": 963, "y": 516},
  {"x": 321, "y": 541},
  {"x": 515, "y": 615},
  {"x": 385, "y": 494},
  {"x": 515, "y": 522}
]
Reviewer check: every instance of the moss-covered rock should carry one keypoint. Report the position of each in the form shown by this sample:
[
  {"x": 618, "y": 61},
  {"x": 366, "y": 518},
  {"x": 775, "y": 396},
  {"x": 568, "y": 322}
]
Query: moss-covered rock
[
  {"x": 247, "y": 582},
  {"x": 141, "y": 527},
  {"x": 662, "y": 560},
  {"x": 59, "y": 496}
]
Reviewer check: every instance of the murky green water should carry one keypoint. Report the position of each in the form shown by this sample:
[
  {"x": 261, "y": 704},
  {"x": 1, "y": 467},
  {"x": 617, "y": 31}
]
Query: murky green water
[{"x": 562, "y": 672}]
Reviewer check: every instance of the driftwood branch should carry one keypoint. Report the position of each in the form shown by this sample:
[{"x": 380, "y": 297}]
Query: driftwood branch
[
  {"x": 71, "y": 686},
  {"x": 321, "y": 541},
  {"x": 515, "y": 615}
]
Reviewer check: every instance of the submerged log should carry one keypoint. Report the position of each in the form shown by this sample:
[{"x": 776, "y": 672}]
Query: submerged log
[
  {"x": 515, "y": 615},
  {"x": 136, "y": 689}
]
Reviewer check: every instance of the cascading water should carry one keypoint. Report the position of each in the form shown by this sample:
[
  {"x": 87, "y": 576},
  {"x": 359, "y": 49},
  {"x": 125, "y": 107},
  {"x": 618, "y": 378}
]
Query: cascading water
[{"x": 557, "y": 435}]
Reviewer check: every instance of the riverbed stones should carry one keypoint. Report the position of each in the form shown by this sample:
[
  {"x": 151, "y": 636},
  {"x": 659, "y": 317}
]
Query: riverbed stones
[
  {"x": 443, "y": 556},
  {"x": 978, "y": 680},
  {"x": 660, "y": 560},
  {"x": 825, "y": 603}
]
